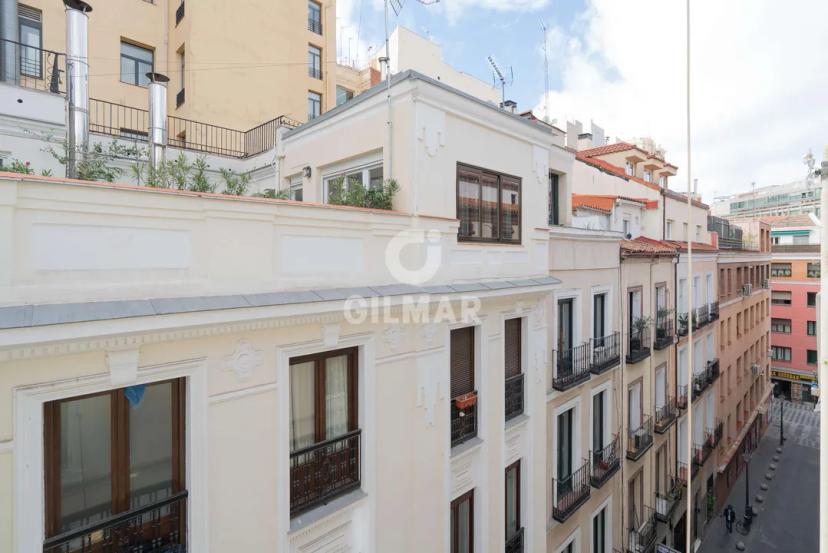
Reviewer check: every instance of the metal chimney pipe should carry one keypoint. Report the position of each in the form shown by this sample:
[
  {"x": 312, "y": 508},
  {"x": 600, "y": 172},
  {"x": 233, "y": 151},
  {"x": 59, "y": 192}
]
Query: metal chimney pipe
[
  {"x": 157, "y": 89},
  {"x": 77, "y": 88}
]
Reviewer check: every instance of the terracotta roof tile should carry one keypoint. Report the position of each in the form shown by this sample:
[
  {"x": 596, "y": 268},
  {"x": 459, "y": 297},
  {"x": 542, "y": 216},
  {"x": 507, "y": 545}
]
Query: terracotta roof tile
[
  {"x": 647, "y": 246},
  {"x": 697, "y": 246},
  {"x": 607, "y": 149},
  {"x": 781, "y": 221}
]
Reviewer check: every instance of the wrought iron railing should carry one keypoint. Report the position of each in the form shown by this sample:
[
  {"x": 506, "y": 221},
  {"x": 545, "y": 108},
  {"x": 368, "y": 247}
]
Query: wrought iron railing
[
  {"x": 681, "y": 396},
  {"x": 159, "y": 526},
  {"x": 700, "y": 384},
  {"x": 34, "y": 67},
  {"x": 642, "y": 537},
  {"x": 665, "y": 415},
  {"x": 713, "y": 435},
  {"x": 640, "y": 439},
  {"x": 713, "y": 370},
  {"x": 664, "y": 333},
  {"x": 572, "y": 367},
  {"x": 683, "y": 324},
  {"x": 666, "y": 501},
  {"x": 570, "y": 492},
  {"x": 131, "y": 123},
  {"x": 683, "y": 473},
  {"x": 714, "y": 310},
  {"x": 322, "y": 471},
  {"x": 701, "y": 452},
  {"x": 513, "y": 396},
  {"x": 315, "y": 25},
  {"x": 606, "y": 352},
  {"x": 702, "y": 316},
  {"x": 604, "y": 462},
  {"x": 179, "y": 13},
  {"x": 514, "y": 543},
  {"x": 638, "y": 345},
  {"x": 463, "y": 421}
]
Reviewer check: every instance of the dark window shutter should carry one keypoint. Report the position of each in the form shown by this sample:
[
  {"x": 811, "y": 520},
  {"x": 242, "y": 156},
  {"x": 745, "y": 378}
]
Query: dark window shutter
[
  {"x": 462, "y": 361},
  {"x": 512, "y": 347}
]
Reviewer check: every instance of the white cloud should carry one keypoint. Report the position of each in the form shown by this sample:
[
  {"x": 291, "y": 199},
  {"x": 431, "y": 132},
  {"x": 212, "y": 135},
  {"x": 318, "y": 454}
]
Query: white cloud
[
  {"x": 454, "y": 9},
  {"x": 759, "y": 85}
]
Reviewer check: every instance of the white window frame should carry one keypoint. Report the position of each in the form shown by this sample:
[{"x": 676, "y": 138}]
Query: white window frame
[
  {"x": 606, "y": 388},
  {"x": 606, "y": 505},
  {"x": 648, "y": 175},
  {"x": 629, "y": 168},
  {"x": 669, "y": 230},
  {"x": 296, "y": 185},
  {"x": 364, "y": 165},
  {"x": 575, "y": 405},
  {"x": 608, "y": 303}
]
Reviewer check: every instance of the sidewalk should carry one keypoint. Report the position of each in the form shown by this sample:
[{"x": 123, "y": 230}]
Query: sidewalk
[{"x": 788, "y": 519}]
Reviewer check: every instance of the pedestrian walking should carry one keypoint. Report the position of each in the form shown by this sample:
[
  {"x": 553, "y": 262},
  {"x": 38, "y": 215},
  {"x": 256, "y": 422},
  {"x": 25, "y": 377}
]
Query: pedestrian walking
[{"x": 729, "y": 516}]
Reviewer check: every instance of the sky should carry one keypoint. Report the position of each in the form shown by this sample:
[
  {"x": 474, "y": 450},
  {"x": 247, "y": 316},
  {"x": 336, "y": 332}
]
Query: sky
[{"x": 759, "y": 72}]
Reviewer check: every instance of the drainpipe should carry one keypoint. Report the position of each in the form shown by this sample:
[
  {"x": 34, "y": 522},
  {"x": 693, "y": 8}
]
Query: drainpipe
[
  {"x": 8, "y": 31},
  {"x": 77, "y": 89},
  {"x": 157, "y": 90}
]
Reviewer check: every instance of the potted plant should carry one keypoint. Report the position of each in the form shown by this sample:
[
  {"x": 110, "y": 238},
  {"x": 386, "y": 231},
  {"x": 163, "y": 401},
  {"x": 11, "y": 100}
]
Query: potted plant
[
  {"x": 466, "y": 400},
  {"x": 682, "y": 319},
  {"x": 661, "y": 317},
  {"x": 639, "y": 325}
]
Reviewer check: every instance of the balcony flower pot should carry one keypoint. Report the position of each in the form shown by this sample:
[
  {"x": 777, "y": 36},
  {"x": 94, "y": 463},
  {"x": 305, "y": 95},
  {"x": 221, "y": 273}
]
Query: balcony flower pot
[
  {"x": 603, "y": 464},
  {"x": 466, "y": 400}
]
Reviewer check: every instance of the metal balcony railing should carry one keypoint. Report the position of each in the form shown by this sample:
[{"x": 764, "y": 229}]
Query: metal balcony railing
[
  {"x": 642, "y": 537},
  {"x": 570, "y": 492},
  {"x": 33, "y": 68},
  {"x": 714, "y": 435},
  {"x": 700, "y": 384},
  {"x": 325, "y": 470},
  {"x": 159, "y": 526},
  {"x": 714, "y": 310},
  {"x": 701, "y": 451},
  {"x": 638, "y": 345},
  {"x": 604, "y": 462},
  {"x": 681, "y": 396},
  {"x": 665, "y": 415},
  {"x": 606, "y": 353},
  {"x": 513, "y": 396},
  {"x": 702, "y": 316},
  {"x": 683, "y": 323},
  {"x": 667, "y": 500},
  {"x": 640, "y": 439},
  {"x": 683, "y": 473},
  {"x": 463, "y": 420},
  {"x": 514, "y": 543},
  {"x": 573, "y": 367},
  {"x": 665, "y": 336},
  {"x": 315, "y": 25},
  {"x": 713, "y": 370}
]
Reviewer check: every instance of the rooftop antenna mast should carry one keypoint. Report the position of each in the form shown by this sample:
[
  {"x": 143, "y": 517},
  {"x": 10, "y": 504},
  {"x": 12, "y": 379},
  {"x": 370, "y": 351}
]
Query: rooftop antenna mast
[
  {"x": 545, "y": 75},
  {"x": 499, "y": 75}
]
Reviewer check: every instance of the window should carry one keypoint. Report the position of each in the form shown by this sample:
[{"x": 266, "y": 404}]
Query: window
[
  {"x": 686, "y": 234},
  {"x": 314, "y": 62},
  {"x": 462, "y": 523},
  {"x": 780, "y": 297},
  {"x": 698, "y": 232},
  {"x": 31, "y": 41},
  {"x": 781, "y": 325},
  {"x": 565, "y": 447},
  {"x": 554, "y": 199},
  {"x": 111, "y": 452},
  {"x": 314, "y": 105},
  {"x": 463, "y": 415},
  {"x": 513, "y": 501},
  {"x": 779, "y": 353},
  {"x": 599, "y": 316},
  {"x": 629, "y": 168},
  {"x": 179, "y": 97},
  {"x": 811, "y": 326},
  {"x": 662, "y": 181},
  {"x": 812, "y": 357},
  {"x": 512, "y": 368},
  {"x": 336, "y": 184},
  {"x": 599, "y": 418},
  {"x": 811, "y": 299},
  {"x": 813, "y": 270},
  {"x": 343, "y": 95},
  {"x": 627, "y": 226},
  {"x": 648, "y": 175},
  {"x": 488, "y": 206},
  {"x": 599, "y": 532},
  {"x": 295, "y": 192},
  {"x": 780, "y": 269},
  {"x": 669, "y": 231},
  {"x": 799, "y": 240},
  {"x": 136, "y": 62},
  {"x": 315, "y": 17}
]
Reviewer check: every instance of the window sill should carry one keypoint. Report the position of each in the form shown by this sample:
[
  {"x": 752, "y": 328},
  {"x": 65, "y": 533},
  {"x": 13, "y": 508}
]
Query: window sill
[
  {"x": 317, "y": 515},
  {"x": 466, "y": 448},
  {"x": 516, "y": 422}
]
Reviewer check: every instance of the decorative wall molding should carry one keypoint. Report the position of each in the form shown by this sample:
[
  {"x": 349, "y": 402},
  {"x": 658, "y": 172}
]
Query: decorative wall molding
[
  {"x": 431, "y": 128},
  {"x": 123, "y": 366},
  {"x": 244, "y": 360},
  {"x": 393, "y": 337}
]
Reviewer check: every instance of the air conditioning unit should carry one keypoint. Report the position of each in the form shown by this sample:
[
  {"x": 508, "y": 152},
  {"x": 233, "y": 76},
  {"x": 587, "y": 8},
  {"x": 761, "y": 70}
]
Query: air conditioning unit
[{"x": 747, "y": 289}]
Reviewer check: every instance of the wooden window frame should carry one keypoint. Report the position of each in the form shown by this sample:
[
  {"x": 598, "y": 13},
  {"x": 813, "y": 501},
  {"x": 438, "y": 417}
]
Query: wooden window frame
[
  {"x": 455, "y": 520},
  {"x": 515, "y": 467},
  {"x": 319, "y": 409},
  {"x": 517, "y": 369},
  {"x": 461, "y": 167},
  {"x": 119, "y": 450},
  {"x": 471, "y": 353}
]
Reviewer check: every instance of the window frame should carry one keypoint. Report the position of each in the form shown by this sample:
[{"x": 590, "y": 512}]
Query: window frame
[
  {"x": 516, "y": 468},
  {"x": 315, "y": 17},
  {"x": 808, "y": 297},
  {"x": 499, "y": 177},
  {"x": 316, "y": 102},
  {"x": 776, "y": 323},
  {"x": 813, "y": 270},
  {"x": 119, "y": 451},
  {"x": 365, "y": 171},
  {"x": 783, "y": 350},
  {"x": 454, "y": 510},
  {"x": 314, "y": 61},
  {"x": 23, "y": 21},
  {"x": 554, "y": 216},
  {"x": 810, "y": 328},
  {"x": 781, "y": 270},
  {"x": 136, "y": 62},
  {"x": 811, "y": 359}
]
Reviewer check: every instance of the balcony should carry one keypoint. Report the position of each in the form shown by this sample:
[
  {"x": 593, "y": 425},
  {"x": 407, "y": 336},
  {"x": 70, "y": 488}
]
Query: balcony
[
  {"x": 713, "y": 370},
  {"x": 665, "y": 336},
  {"x": 513, "y": 396},
  {"x": 638, "y": 345},
  {"x": 642, "y": 537},
  {"x": 667, "y": 501},
  {"x": 606, "y": 353},
  {"x": 701, "y": 452},
  {"x": 159, "y": 526},
  {"x": 315, "y": 25},
  {"x": 714, "y": 435},
  {"x": 179, "y": 98},
  {"x": 605, "y": 462},
  {"x": 179, "y": 13},
  {"x": 573, "y": 367},
  {"x": 665, "y": 415},
  {"x": 463, "y": 418},
  {"x": 640, "y": 439},
  {"x": 701, "y": 316},
  {"x": 514, "y": 543},
  {"x": 714, "y": 311},
  {"x": 700, "y": 384},
  {"x": 570, "y": 493},
  {"x": 682, "y": 324},
  {"x": 682, "y": 474},
  {"x": 681, "y": 397},
  {"x": 322, "y": 471},
  {"x": 36, "y": 68}
]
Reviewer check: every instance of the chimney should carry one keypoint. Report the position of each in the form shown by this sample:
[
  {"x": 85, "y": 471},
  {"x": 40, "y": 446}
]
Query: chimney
[
  {"x": 77, "y": 89},
  {"x": 157, "y": 90},
  {"x": 573, "y": 129},
  {"x": 585, "y": 141},
  {"x": 509, "y": 105}
]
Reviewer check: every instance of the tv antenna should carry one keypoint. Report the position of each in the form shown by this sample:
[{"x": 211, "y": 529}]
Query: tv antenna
[{"x": 499, "y": 75}]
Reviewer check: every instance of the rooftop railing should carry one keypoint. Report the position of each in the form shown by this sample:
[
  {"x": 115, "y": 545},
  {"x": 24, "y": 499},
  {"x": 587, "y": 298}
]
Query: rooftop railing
[{"x": 34, "y": 68}]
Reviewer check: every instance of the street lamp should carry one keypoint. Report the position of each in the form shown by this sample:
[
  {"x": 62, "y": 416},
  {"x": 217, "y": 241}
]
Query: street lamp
[{"x": 748, "y": 509}]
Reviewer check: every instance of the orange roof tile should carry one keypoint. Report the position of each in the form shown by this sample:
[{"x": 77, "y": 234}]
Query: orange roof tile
[
  {"x": 646, "y": 246},
  {"x": 605, "y": 202},
  {"x": 614, "y": 170},
  {"x": 697, "y": 246},
  {"x": 607, "y": 149}
]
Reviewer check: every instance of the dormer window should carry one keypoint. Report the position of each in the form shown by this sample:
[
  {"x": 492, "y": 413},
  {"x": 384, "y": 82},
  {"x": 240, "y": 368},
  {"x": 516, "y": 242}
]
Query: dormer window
[
  {"x": 648, "y": 175},
  {"x": 630, "y": 168},
  {"x": 662, "y": 181}
]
